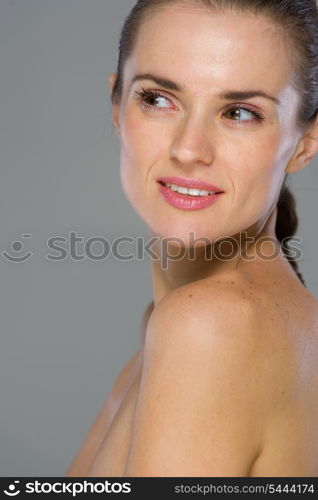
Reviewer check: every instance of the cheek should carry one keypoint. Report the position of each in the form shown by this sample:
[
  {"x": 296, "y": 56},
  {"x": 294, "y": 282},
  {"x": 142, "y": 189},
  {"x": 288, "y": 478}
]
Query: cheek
[
  {"x": 142, "y": 147},
  {"x": 146, "y": 132},
  {"x": 144, "y": 144},
  {"x": 260, "y": 162},
  {"x": 257, "y": 173},
  {"x": 140, "y": 142}
]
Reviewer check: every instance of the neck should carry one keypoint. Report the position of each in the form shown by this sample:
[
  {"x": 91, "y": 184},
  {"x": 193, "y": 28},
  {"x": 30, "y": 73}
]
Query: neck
[{"x": 176, "y": 266}]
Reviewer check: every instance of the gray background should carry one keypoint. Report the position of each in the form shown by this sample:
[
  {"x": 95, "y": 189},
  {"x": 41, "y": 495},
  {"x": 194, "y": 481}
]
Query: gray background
[{"x": 68, "y": 327}]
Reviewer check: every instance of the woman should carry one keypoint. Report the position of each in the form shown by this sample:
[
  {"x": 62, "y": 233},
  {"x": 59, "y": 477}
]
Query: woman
[{"x": 215, "y": 103}]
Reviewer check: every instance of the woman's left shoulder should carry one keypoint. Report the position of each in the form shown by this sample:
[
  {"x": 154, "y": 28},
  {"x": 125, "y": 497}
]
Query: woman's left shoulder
[
  {"x": 218, "y": 306},
  {"x": 272, "y": 306},
  {"x": 217, "y": 293}
]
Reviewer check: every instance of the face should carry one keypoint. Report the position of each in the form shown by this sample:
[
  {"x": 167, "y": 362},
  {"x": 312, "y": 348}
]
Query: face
[{"x": 240, "y": 145}]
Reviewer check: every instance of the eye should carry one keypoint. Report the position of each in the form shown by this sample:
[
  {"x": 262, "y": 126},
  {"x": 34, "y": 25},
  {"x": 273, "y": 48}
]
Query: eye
[
  {"x": 236, "y": 112},
  {"x": 152, "y": 100}
]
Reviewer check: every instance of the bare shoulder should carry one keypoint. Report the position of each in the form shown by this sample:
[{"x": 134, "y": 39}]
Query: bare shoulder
[
  {"x": 210, "y": 319},
  {"x": 241, "y": 324},
  {"x": 203, "y": 343},
  {"x": 225, "y": 306},
  {"x": 223, "y": 358}
]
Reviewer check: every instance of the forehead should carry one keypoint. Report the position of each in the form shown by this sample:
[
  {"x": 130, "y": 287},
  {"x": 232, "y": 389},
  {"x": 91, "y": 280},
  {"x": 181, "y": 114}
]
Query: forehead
[{"x": 206, "y": 50}]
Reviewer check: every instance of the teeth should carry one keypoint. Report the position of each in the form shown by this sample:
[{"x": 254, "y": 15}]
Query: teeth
[
  {"x": 197, "y": 192},
  {"x": 191, "y": 191},
  {"x": 183, "y": 190}
]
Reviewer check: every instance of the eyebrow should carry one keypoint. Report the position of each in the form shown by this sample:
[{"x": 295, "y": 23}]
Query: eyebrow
[{"x": 225, "y": 95}]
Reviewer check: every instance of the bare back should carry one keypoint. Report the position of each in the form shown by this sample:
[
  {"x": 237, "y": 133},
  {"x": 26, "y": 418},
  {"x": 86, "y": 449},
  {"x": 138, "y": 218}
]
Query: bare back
[{"x": 290, "y": 446}]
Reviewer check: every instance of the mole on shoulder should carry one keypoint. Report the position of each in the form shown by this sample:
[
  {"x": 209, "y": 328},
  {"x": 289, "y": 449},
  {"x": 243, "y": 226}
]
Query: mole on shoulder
[{"x": 190, "y": 294}]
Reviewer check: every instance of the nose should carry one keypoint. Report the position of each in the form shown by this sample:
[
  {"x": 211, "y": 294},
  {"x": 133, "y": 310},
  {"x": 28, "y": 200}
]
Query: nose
[{"x": 192, "y": 144}]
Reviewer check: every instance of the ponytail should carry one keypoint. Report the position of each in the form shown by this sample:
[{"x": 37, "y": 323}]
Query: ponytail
[{"x": 287, "y": 224}]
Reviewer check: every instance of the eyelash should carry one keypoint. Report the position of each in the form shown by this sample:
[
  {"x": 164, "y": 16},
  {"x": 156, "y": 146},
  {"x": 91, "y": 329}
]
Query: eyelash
[{"x": 141, "y": 95}]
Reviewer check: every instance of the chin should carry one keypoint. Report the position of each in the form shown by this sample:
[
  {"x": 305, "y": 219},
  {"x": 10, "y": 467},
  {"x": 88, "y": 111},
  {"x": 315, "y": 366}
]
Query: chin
[{"x": 180, "y": 235}]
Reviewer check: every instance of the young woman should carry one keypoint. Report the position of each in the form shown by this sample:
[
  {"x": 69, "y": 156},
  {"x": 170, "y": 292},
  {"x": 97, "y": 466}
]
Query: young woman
[{"x": 215, "y": 102}]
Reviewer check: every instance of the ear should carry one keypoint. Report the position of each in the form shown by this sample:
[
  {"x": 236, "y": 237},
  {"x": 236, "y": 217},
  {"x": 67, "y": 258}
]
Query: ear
[
  {"x": 307, "y": 148},
  {"x": 115, "y": 107}
]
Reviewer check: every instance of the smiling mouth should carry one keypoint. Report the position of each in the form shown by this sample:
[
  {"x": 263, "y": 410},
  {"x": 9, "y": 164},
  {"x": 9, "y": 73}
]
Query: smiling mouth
[{"x": 192, "y": 192}]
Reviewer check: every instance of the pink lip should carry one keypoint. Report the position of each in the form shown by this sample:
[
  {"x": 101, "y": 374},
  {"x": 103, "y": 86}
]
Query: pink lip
[
  {"x": 190, "y": 183},
  {"x": 187, "y": 202}
]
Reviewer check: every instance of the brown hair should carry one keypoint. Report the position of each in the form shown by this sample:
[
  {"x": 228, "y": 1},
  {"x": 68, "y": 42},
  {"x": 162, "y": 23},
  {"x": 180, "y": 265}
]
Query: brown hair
[{"x": 298, "y": 21}]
